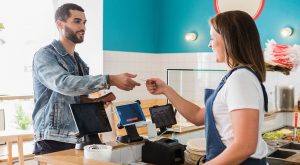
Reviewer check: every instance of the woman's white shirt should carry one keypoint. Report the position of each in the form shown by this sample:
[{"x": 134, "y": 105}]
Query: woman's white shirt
[{"x": 241, "y": 90}]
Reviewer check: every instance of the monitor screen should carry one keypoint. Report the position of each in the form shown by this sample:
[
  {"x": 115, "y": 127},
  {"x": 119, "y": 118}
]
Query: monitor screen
[
  {"x": 90, "y": 118},
  {"x": 130, "y": 114},
  {"x": 163, "y": 116}
]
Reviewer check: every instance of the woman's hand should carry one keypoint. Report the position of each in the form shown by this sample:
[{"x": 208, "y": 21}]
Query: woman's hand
[{"x": 156, "y": 86}]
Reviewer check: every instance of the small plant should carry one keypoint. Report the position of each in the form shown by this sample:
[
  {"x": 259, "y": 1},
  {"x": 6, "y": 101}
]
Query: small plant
[
  {"x": 22, "y": 119},
  {"x": 1, "y": 26}
]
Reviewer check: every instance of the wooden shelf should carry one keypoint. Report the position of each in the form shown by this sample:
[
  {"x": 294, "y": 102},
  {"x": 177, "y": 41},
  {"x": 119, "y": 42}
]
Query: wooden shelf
[{"x": 7, "y": 97}]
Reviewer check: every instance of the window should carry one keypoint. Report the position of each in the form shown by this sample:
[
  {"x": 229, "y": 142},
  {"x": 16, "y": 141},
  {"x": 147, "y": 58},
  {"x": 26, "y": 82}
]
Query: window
[{"x": 29, "y": 25}]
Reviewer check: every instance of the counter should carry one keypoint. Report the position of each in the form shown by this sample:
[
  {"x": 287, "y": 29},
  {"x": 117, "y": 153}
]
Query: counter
[
  {"x": 128, "y": 153},
  {"x": 122, "y": 153},
  {"x": 280, "y": 162},
  {"x": 68, "y": 157}
]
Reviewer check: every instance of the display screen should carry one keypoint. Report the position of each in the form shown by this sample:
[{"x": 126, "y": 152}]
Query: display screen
[
  {"x": 130, "y": 114},
  {"x": 90, "y": 118},
  {"x": 163, "y": 116}
]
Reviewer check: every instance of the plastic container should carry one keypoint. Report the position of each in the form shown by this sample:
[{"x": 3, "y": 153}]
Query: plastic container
[
  {"x": 284, "y": 98},
  {"x": 98, "y": 152}
]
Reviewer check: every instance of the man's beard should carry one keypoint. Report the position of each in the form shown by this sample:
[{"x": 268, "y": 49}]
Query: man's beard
[{"x": 72, "y": 36}]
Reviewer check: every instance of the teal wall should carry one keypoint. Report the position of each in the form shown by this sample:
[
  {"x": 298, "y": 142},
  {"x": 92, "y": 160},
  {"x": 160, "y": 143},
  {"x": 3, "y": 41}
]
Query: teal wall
[
  {"x": 159, "y": 26},
  {"x": 178, "y": 17},
  {"x": 276, "y": 15},
  {"x": 130, "y": 25}
]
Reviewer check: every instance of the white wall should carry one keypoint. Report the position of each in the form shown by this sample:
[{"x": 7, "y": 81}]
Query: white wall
[{"x": 148, "y": 65}]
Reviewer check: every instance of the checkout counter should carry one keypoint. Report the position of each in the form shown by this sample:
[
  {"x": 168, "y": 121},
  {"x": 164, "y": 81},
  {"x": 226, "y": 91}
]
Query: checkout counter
[
  {"x": 121, "y": 154},
  {"x": 128, "y": 148}
]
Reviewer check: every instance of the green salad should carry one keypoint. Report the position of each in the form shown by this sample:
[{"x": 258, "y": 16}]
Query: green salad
[{"x": 273, "y": 135}]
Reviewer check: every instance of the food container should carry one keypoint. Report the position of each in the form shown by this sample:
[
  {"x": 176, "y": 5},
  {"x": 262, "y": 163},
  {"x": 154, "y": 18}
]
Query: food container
[
  {"x": 98, "y": 152},
  {"x": 284, "y": 98}
]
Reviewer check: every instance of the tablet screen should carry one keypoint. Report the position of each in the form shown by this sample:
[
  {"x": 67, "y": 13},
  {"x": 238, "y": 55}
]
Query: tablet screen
[
  {"x": 130, "y": 114},
  {"x": 90, "y": 118},
  {"x": 163, "y": 116}
]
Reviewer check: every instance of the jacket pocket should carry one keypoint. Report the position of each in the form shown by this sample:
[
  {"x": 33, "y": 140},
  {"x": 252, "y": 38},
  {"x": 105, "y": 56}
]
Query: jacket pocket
[{"x": 54, "y": 117}]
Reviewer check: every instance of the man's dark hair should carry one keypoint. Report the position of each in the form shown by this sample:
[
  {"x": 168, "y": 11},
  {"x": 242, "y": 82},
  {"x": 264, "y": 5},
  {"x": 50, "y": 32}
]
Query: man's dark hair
[{"x": 63, "y": 12}]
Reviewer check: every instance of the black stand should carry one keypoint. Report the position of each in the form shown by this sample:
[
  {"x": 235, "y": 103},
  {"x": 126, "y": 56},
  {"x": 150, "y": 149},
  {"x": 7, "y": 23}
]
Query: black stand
[
  {"x": 132, "y": 135},
  {"x": 88, "y": 140},
  {"x": 163, "y": 130}
]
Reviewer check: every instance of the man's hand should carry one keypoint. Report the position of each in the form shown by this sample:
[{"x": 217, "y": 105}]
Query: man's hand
[{"x": 123, "y": 81}]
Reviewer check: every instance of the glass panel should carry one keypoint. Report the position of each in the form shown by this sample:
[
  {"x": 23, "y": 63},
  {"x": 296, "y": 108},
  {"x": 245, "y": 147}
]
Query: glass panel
[{"x": 190, "y": 84}]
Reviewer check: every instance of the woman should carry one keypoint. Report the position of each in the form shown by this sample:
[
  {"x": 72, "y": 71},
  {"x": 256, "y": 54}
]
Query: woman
[{"x": 234, "y": 112}]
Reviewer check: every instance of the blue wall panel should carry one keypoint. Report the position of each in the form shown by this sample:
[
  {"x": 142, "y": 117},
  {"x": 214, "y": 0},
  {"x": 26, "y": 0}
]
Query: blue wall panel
[
  {"x": 276, "y": 15},
  {"x": 130, "y": 25},
  {"x": 159, "y": 26},
  {"x": 178, "y": 17}
]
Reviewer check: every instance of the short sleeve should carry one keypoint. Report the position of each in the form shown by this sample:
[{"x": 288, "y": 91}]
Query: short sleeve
[{"x": 243, "y": 90}]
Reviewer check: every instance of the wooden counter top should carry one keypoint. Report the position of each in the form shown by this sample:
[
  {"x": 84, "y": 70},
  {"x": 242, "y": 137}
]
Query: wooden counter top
[
  {"x": 71, "y": 157},
  {"x": 7, "y": 97},
  {"x": 8, "y": 135},
  {"x": 68, "y": 157},
  {"x": 76, "y": 157}
]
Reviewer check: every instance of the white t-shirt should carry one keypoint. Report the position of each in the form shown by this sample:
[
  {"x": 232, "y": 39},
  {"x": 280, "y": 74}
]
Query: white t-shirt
[{"x": 241, "y": 90}]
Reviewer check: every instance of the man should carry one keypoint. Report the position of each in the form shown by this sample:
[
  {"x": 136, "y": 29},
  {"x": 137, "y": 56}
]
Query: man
[{"x": 60, "y": 77}]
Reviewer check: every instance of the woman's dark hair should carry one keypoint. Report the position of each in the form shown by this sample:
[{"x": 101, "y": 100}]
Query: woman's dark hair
[
  {"x": 63, "y": 12},
  {"x": 241, "y": 40}
]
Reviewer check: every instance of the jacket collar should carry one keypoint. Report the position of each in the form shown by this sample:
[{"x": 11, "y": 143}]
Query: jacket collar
[{"x": 59, "y": 47}]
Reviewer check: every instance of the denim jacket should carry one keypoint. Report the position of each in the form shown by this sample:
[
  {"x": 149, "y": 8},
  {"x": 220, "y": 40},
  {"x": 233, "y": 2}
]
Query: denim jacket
[{"x": 56, "y": 84}]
